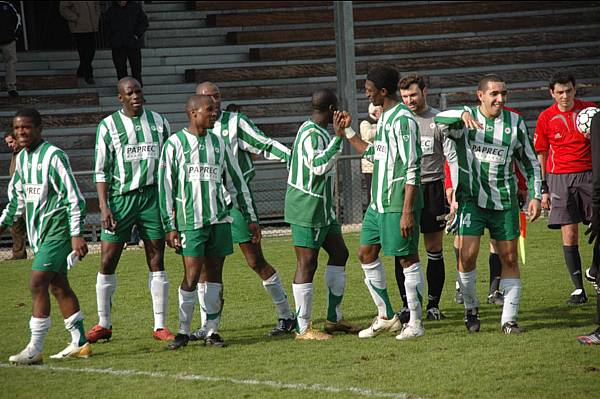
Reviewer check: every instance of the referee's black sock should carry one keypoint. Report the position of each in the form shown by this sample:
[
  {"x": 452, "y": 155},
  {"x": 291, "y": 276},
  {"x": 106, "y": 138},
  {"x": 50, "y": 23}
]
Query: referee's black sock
[
  {"x": 400, "y": 281},
  {"x": 436, "y": 274},
  {"x": 573, "y": 261},
  {"x": 495, "y": 272}
]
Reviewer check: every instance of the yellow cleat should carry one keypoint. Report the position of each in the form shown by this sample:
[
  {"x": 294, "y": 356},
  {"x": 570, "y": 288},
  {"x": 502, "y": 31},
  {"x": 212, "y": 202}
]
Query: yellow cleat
[
  {"x": 74, "y": 350},
  {"x": 312, "y": 334}
]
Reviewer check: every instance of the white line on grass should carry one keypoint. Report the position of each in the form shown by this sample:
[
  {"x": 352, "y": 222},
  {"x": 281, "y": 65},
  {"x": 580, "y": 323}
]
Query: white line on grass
[{"x": 195, "y": 377}]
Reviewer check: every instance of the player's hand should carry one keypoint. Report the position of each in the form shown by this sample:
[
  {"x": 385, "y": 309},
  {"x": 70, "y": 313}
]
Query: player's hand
[
  {"x": 338, "y": 123},
  {"x": 407, "y": 224},
  {"x": 470, "y": 122},
  {"x": 593, "y": 229},
  {"x": 108, "y": 221},
  {"x": 173, "y": 240},
  {"x": 450, "y": 195},
  {"x": 347, "y": 119},
  {"x": 256, "y": 233},
  {"x": 546, "y": 201},
  {"x": 79, "y": 246},
  {"x": 534, "y": 209}
]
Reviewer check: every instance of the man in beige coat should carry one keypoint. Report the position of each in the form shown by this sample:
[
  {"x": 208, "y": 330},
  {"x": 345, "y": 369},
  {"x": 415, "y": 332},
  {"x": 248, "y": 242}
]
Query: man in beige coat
[{"x": 83, "y": 17}]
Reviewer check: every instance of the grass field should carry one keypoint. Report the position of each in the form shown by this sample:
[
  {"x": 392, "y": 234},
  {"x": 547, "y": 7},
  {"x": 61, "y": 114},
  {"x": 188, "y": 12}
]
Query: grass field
[{"x": 546, "y": 362}]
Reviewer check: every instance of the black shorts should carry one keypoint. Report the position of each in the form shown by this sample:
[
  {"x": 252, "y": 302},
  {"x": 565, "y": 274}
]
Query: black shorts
[
  {"x": 570, "y": 198},
  {"x": 434, "y": 207}
]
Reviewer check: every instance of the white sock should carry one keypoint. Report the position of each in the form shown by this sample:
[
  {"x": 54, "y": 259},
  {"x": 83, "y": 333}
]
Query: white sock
[
  {"x": 303, "y": 295},
  {"x": 376, "y": 283},
  {"x": 414, "y": 283},
  {"x": 158, "y": 283},
  {"x": 201, "y": 292},
  {"x": 214, "y": 305},
  {"x": 468, "y": 286},
  {"x": 106, "y": 284},
  {"x": 39, "y": 329},
  {"x": 512, "y": 297},
  {"x": 187, "y": 300},
  {"x": 335, "y": 280},
  {"x": 74, "y": 325},
  {"x": 274, "y": 287}
]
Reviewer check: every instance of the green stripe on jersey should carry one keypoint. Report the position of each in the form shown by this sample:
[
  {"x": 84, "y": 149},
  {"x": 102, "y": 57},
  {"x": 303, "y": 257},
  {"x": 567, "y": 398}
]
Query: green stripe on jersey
[
  {"x": 396, "y": 156},
  {"x": 128, "y": 150},
  {"x": 245, "y": 138},
  {"x": 43, "y": 187},
  {"x": 191, "y": 192},
  {"x": 486, "y": 157},
  {"x": 309, "y": 196}
]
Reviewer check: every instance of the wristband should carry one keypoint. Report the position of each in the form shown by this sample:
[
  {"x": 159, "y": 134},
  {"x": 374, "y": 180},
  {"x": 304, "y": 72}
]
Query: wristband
[
  {"x": 545, "y": 189},
  {"x": 349, "y": 132}
]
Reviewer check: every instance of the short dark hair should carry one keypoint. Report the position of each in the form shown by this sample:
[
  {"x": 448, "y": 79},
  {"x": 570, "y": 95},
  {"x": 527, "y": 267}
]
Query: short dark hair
[
  {"x": 490, "y": 77},
  {"x": 562, "y": 78},
  {"x": 9, "y": 133},
  {"x": 384, "y": 77},
  {"x": 323, "y": 99},
  {"x": 410, "y": 80},
  {"x": 30, "y": 113}
]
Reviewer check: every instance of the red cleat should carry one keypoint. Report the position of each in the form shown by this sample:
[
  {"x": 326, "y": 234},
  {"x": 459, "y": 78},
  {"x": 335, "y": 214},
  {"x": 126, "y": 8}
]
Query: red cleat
[
  {"x": 97, "y": 333},
  {"x": 163, "y": 334}
]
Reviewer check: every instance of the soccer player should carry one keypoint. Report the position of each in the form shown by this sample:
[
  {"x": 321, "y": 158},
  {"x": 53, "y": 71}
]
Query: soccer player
[
  {"x": 489, "y": 140},
  {"x": 246, "y": 140},
  {"x": 309, "y": 209},
  {"x": 593, "y": 338},
  {"x": 392, "y": 220},
  {"x": 128, "y": 145},
  {"x": 195, "y": 167},
  {"x": 413, "y": 92},
  {"x": 566, "y": 160},
  {"x": 43, "y": 187}
]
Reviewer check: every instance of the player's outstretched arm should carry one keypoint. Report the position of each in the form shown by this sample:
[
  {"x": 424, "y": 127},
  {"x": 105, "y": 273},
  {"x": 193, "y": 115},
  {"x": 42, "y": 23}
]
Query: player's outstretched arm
[{"x": 253, "y": 140}]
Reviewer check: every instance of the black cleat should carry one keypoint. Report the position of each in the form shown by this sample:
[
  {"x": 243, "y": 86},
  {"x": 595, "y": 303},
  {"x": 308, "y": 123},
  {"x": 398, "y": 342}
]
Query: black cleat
[
  {"x": 404, "y": 315},
  {"x": 472, "y": 320},
  {"x": 434, "y": 313},
  {"x": 179, "y": 341},
  {"x": 284, "y": 326},
  {"x": 511, "y": 327},
  {"x": 577, "y": 299},
  {"x": 215, "y": 340}
]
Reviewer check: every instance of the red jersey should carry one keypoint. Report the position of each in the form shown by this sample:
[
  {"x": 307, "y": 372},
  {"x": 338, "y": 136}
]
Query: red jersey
[{"x": 568, "y": 150}]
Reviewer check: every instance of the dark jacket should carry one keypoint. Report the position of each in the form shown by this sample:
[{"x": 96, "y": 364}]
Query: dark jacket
[
  {"x": 124, "y": 26},
  {"x": 10, "y": 22},
  {"x": 596, "y": 160}
]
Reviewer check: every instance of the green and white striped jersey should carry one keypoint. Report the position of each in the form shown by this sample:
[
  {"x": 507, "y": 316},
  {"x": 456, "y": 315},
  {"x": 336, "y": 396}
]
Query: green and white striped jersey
[
  {"x": 192, "y": 172},
  {"x": 309, "y": 198},
  {"x": 396, "y": 156},
  {"x": 486, "y": 156},
  {"x": 245, "y": 138},
  {"x": 43, "y": 187},
  {"x": 128, "y": 149}
]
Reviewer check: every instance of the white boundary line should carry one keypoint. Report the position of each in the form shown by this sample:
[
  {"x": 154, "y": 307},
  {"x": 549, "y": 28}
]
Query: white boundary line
[{"x": 195, "y": 377}]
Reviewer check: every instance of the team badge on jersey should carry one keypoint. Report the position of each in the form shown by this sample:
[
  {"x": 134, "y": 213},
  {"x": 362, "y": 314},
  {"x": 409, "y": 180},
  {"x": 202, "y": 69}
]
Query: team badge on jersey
[
  {"x": 507, "y": 130},
  {"x": 225, "y": 132}
]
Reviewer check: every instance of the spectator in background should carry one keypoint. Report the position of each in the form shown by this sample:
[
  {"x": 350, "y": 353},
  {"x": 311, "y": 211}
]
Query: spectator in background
[
  {"x": 367, "y": 133},
  {"x": 125, "y": 23},
  {"x": 10, "y": 24},
  {"x": 83, "y": 18},
  {"x": 18, "y": 230}
]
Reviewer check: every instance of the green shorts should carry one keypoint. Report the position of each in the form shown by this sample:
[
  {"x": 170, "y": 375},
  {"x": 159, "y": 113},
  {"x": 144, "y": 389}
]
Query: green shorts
[
  {"x": 384, "y": 229},
  {"x": 213, "y": 240},
  {"x": 309, "y": 237},
  {"x": 138, "y": 207},
  {"x": 239, "y": 227},
  {"x": 52, "y": 256},
  {"x": 503, "y": 225}
]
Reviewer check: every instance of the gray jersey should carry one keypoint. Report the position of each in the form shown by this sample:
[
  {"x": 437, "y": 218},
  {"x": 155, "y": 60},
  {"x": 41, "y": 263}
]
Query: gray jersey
[{"x": 432, "y": 146}]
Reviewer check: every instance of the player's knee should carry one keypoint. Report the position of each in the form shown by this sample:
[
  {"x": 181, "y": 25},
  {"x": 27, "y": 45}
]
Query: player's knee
[{"x": 365, "y": 256}]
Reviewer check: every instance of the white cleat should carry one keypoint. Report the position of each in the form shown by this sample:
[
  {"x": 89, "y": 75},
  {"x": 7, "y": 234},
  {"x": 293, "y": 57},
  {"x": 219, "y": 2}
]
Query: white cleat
[
  {"x": 27, "y": 356},
  {"x": 73, "y": 350},
  {"x": 411, "y": 330},
  {"x": 380, "y": 326}
]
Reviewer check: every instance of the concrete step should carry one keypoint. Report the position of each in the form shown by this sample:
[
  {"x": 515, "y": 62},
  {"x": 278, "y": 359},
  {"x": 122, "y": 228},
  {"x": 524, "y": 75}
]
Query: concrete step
[
  {"x": 165, "y": 6},
  {"x": 175, "y": 15},
  {"x": 177, "y": 24},
  {"x": 180, "y": 32},
  {"x": 186, "y": 41}
]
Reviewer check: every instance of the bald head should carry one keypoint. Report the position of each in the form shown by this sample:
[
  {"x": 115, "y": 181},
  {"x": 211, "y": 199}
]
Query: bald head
[
  {"x": 131, "y": 96},
  {"x": 210, "y": 89},
  {"x": 127, "y": 81},
  {"x": 201, "y": 112},
  {"x": 197, "y": 102},
  {"x": 323, "y": 99}
]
